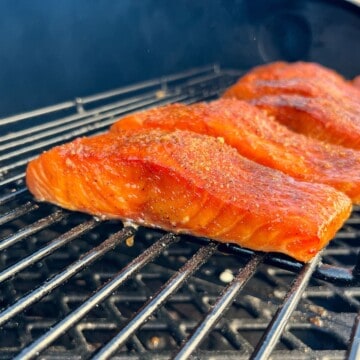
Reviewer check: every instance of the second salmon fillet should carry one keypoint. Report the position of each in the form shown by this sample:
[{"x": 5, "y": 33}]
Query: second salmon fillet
[
  {"x": 189, "y": 183},
  {"x": 306, "y": 97},
  {"x": 259, "y": 138}
]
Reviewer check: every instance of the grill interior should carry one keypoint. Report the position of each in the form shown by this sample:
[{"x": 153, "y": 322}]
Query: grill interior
[{"x": 72, "y": 286}]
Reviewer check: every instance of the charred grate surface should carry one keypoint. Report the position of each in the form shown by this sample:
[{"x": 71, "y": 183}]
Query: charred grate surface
[{"x": 74, "y": 287}]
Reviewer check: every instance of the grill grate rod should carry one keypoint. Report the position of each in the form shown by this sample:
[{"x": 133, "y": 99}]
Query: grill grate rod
[
  {"x": 108, "y": 94},
  {"x": 163, "y": 82},
  {"x": 19, "y": 211},
  {"x": 170, "y": 287},
  {"x": 277, "y": 324},
  {"x": 9, "y": 197},
  {"x": 99, "y": 113},
  {"x": 354, "y": 346},
  {"x": 32, "y": 229},
  {"x": 47, "y": 128},
  {"x": 106, "y": 290},
  {"x": 48, "y": 249},
  {"x": 88, "y": 126},
  {"x": 65, "y": 275},
  {"x": 18, "y": 177},
  {"x": 221, "y": 305},
  {"x": 78, "y": 132}
]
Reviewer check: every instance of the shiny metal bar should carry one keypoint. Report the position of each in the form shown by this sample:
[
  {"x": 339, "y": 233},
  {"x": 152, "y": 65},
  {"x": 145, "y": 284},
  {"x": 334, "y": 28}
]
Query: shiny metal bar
[
  {"x": 19, "y": 211},
  {"x": 220, "y": 307},
  {"x": 106, "y": 290},
  {"x": 65, "y": 275},
  {"x": 354, "y": 343},
  {"x": 282, "y": 316},
  {"x": 32, "y": 229},
  {"x": 38, "y": 112},
  {"x": 149, "y": 83},
  {"x": 11, "y": 180},
  {"x": 50, "y": 128},
  {"x": 104, "y": 124},
  {"x": 11, "y": 196},
  {"x": 170, "y": 287},
  {"x": 48, "y": 249},
  {"x": 83, "y": 129},
  {"x": 108, "y": 94}
]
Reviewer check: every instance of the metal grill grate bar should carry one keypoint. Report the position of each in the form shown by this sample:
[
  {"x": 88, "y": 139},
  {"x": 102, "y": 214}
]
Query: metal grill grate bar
[
  {"x": 171, "y": 286},
  {"x": 81, "y": 131},
  {"x": 47, "y": 128},
  {"x": 131, "y": 103},
  {"x": 220, "y": 307},
  {"x": 282, "y": 316},
  {"x": 108, "y": 94},
  {"x": 17, "y": 164},
  {"x": 91, "y": 124},
  {"x": 38, "y": 112},
  {"x": 32, "y": 229},
  {"x": 162, "y": 82},
  {"x": 65, "y": 275},
  {"x": 10, "y": 180},
  {"x": 9, "y": 197},
  {"x": 21, "y": 210},
  {"x": 134, "y": 266},
  {"x": 47, "y": 250},
  {"x": 354, "y": 347}
]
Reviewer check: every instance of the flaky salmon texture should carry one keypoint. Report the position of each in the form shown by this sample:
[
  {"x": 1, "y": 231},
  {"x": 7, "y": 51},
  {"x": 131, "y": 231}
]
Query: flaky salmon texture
[
  {"x": 259, "y": 138},
  {"x": 189, "y": 183},
  {"x": 306, "y": 97}
]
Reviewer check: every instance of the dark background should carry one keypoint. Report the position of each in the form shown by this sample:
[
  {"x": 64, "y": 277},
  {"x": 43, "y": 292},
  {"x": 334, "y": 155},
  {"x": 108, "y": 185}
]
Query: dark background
[{"x": 52, "y": 51}]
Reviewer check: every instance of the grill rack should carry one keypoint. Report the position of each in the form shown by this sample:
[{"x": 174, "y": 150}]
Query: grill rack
[{"x": 24, "y": 136}]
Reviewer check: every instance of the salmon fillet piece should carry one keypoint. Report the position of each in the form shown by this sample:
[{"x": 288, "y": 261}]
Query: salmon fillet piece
[
  {"x": 259, "y": 138},
  {"x": 319, "y": 118},
  {"x": 305, "y": 78},
  {"x": 356, "y": 82},
  {"x": 189, "y": 183},
  {"x": 283, "y": 70},
  {"x": 331, "y": 104}
]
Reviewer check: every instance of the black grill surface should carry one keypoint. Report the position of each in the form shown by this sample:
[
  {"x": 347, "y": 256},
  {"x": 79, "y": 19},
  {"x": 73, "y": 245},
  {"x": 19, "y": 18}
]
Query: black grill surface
[{"x": 75, "y": 287}]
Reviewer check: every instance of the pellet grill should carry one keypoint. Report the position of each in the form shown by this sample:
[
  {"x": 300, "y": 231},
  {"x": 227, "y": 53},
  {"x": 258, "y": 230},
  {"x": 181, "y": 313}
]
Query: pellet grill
[{"x": 76, "y": 287}]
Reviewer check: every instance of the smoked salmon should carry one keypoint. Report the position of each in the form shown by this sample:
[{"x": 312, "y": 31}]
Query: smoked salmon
[
  {"x": 259, "y": 138},
  {"x": 319, "y": 118},
  {"x": 356, "y": 82},
  {"x": 306, "y": 97},
  {"x": 189, "y": 183},
  {"x": 301, "y": 78}
]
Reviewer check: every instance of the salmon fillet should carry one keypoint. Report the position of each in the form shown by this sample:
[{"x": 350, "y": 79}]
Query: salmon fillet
[
  {"x": 300, "y": 69},
  {"x": 189, "y": 183},
  {"x": 331, "y": 104},
  {"x": 319, "y": 118},
  {"x": 302, "y": 78},
  {"x": 259, "y": 138},
  {"x": 356, "y": 82}
]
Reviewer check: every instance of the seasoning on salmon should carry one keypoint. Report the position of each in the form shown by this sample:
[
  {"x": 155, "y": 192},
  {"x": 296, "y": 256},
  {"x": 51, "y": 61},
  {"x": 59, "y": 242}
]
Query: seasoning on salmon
[
  {"x": 306, "y": 97},
  {"x": 189, "y": 183},
  {"x": 259, "y": 138}
]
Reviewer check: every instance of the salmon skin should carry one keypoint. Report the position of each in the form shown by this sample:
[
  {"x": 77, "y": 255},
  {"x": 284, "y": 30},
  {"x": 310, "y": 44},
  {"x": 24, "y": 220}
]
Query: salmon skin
[
  {"x": 306, "y": 97},
  {"x": 259, "y": 138},
  {"x": 189, "y": 183}
]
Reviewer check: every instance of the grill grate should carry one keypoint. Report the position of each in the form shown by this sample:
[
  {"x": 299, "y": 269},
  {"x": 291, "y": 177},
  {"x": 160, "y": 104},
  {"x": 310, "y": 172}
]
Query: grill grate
[{"x": 72, "y": 286}]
